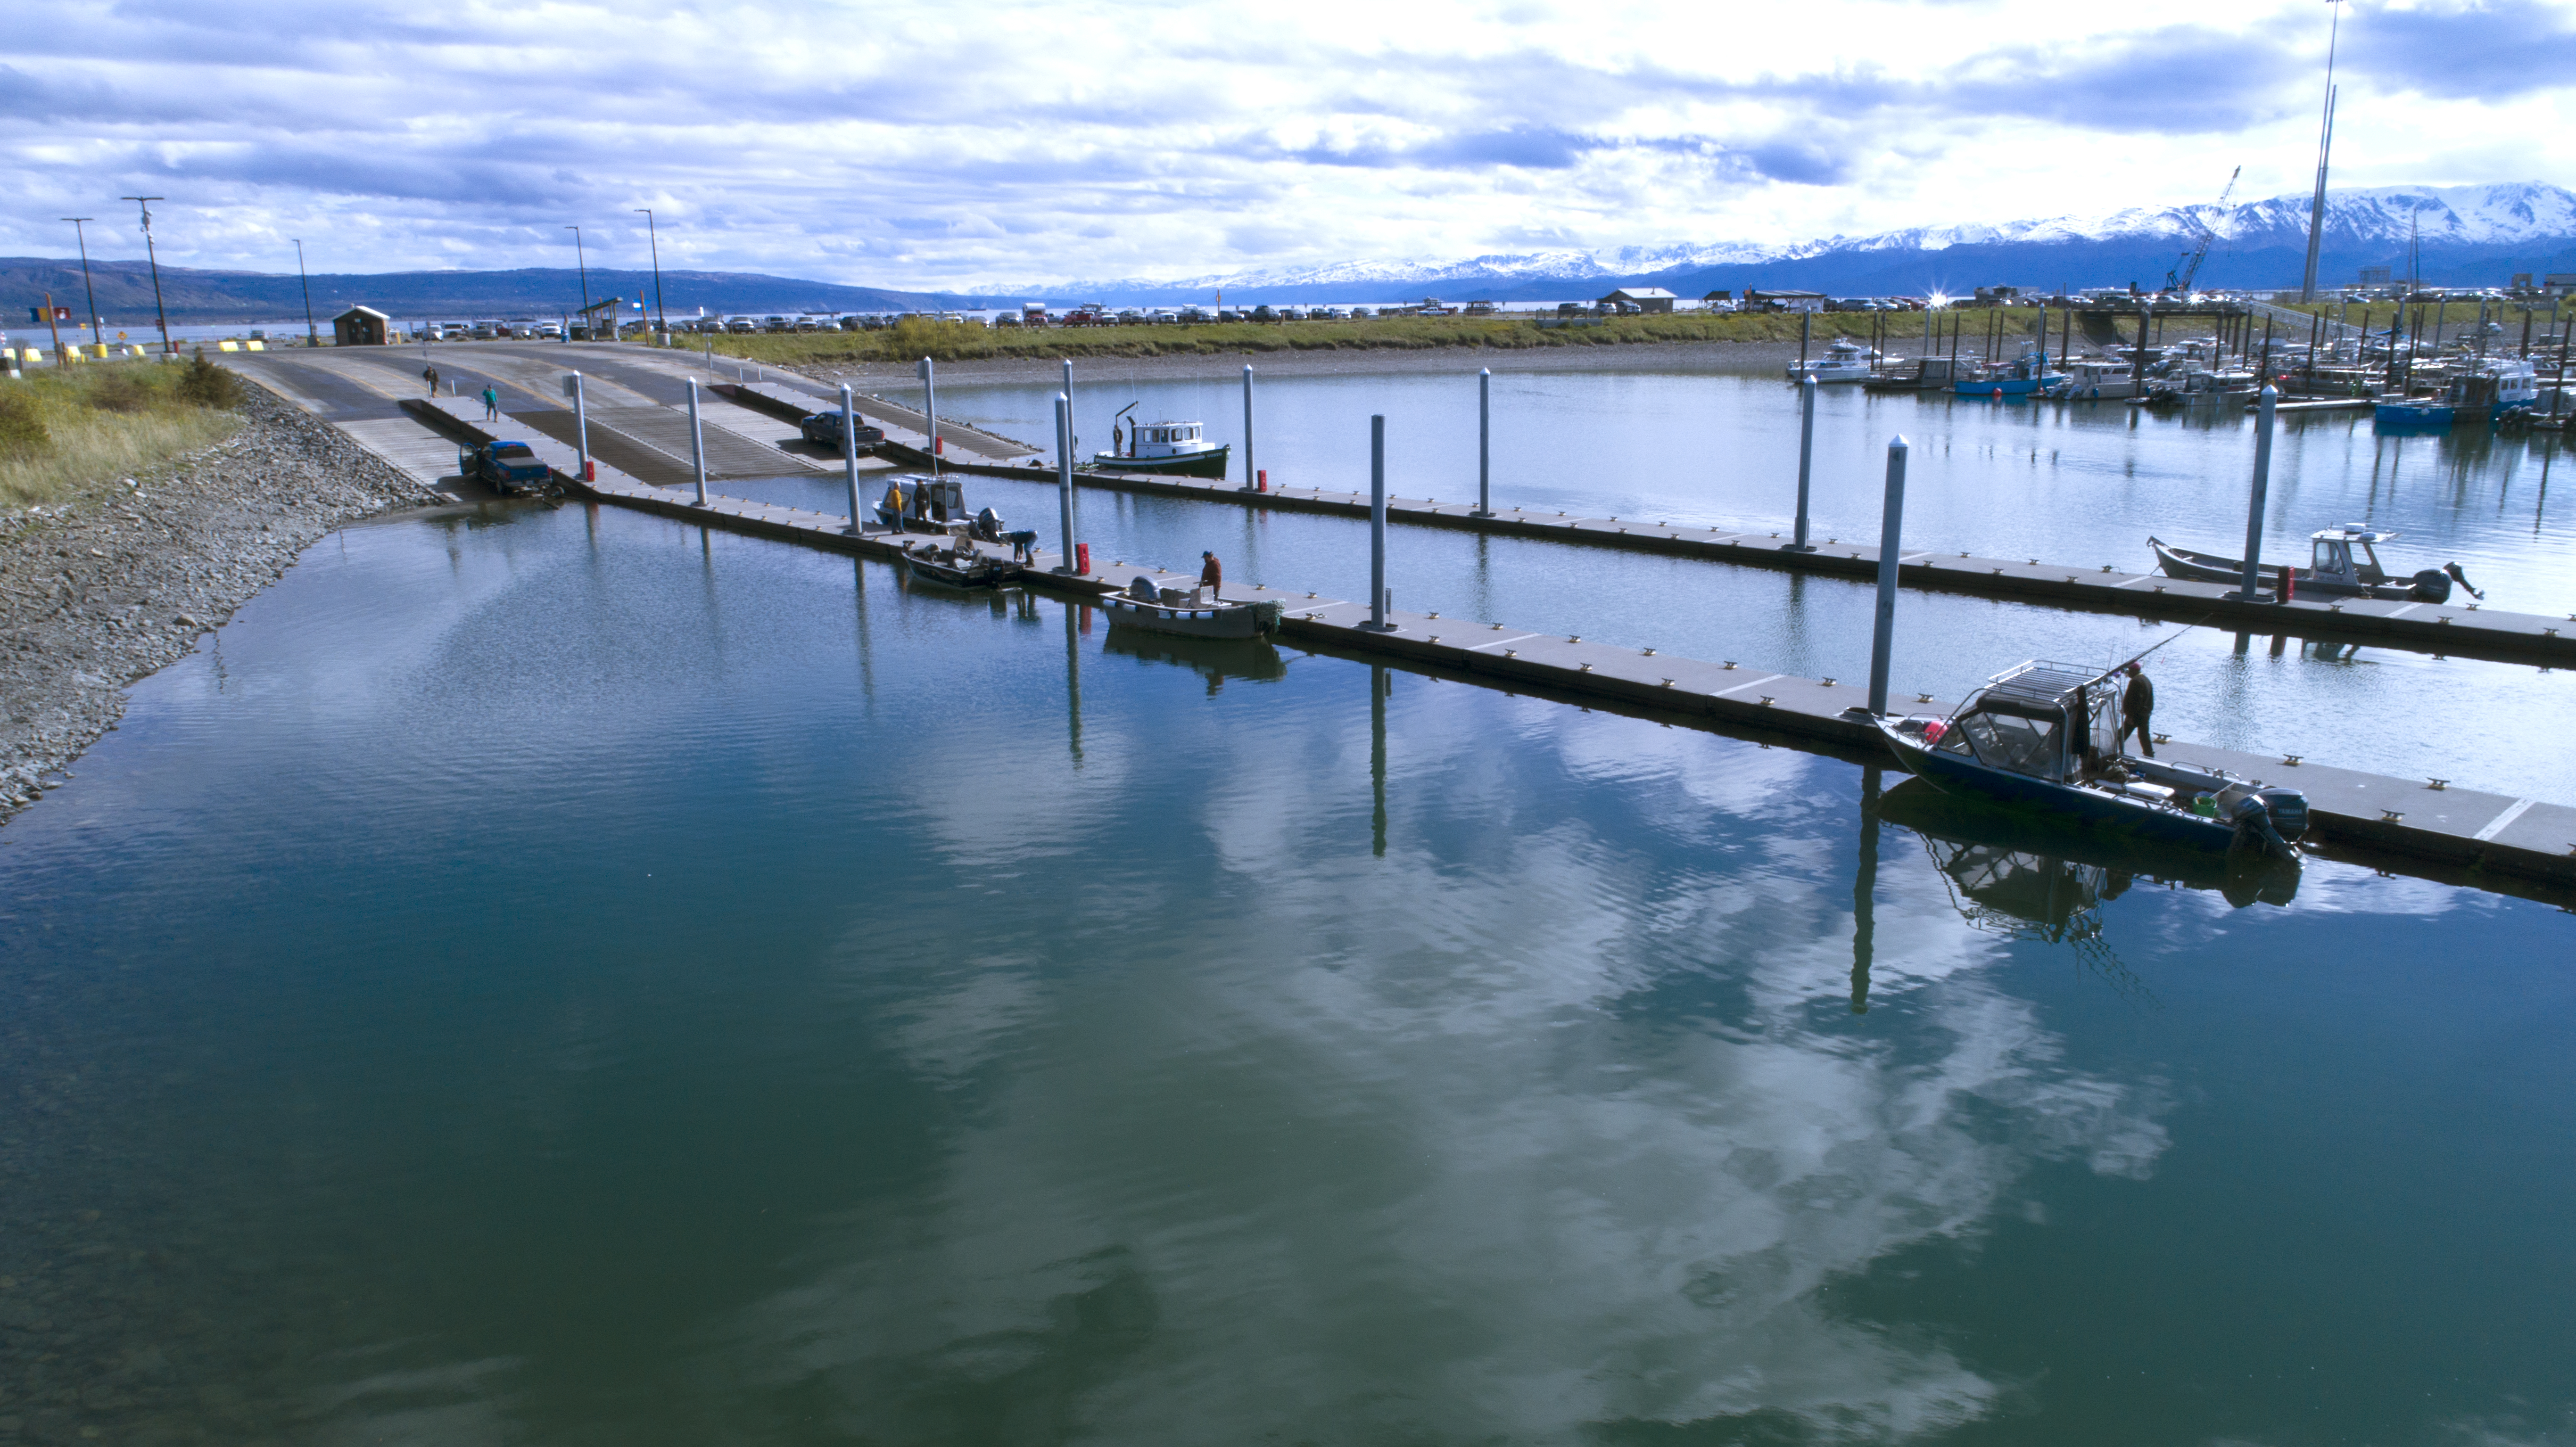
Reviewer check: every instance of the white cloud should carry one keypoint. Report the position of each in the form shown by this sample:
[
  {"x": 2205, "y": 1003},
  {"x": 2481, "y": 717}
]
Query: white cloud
[{"x": 919, "y": 144}]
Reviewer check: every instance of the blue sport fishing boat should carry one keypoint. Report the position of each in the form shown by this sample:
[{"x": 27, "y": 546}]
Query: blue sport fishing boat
[
  {"x": 2472, "y": 397},
  {"x": 2045, "y": 737}
]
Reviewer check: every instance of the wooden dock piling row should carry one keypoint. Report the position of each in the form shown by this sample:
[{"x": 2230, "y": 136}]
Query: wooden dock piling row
[
  {"x": 2461, "y": 626},
  {"x": 2487, "y": 839}
]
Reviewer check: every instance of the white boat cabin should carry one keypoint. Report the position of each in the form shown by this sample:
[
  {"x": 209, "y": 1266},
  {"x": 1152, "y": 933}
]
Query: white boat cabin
[
  {"x": 1169, "y": 439},
  {"x": 2332, "y": 560}
]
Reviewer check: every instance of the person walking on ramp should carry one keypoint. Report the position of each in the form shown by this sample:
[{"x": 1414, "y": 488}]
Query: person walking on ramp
[
  {"x": 491, "y": 403},
  {"x": 2137, "y": 702}
]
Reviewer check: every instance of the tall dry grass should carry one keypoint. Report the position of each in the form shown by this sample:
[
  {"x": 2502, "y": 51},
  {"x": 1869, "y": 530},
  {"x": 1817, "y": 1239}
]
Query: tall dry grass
[{"x": 64, "y": 433}]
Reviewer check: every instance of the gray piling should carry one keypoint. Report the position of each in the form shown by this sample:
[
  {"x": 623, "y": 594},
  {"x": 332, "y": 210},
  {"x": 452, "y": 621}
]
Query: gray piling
[
  {"x": 1484, "y": 442},
  {"x": 2250, "y": 586},
  {"x": 1891, "y": 547},
  {"x": 1806, "y": 455},
  {"x": 1251, "y": 479},
  {"x": 850, "y": 459},
  {"x": 697, "y": 444},
  {"x": 930, "y": 411},
  {"x": 1072, "y": 441},
  {"x": 1377, "y": 523},
  {"x": 1064, "y": 471},
  {"x": 580, "y": 422}
]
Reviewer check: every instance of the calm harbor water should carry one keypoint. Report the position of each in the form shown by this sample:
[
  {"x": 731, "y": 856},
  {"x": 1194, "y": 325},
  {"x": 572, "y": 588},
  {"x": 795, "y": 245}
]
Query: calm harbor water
[
  {"x": 569, "y": 978},
  {"x": 2083, "y": 485}
]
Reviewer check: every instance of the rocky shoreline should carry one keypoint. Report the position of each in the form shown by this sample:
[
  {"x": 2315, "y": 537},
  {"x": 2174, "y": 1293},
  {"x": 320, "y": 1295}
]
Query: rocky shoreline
[{"x": 110, "y": 588}]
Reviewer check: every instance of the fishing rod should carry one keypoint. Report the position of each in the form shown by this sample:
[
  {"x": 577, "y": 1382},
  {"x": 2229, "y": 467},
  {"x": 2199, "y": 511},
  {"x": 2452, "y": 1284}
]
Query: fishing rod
[{"x": 2116, "y": 668}]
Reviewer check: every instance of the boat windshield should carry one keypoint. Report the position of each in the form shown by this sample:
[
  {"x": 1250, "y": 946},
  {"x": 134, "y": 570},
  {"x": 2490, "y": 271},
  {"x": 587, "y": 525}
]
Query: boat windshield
[{"x": 2015, "y": 744}]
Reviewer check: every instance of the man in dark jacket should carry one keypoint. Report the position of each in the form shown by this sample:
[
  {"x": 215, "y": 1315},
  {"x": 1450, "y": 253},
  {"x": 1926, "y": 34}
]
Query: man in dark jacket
[
  {"x": 1212, "y": 576},
  {"x": 2137, "y": 702}
]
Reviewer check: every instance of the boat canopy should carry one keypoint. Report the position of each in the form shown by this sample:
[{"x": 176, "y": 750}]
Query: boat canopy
[
  {"x": 2350, "y": 533},
  {"x": 2037, "y": 719}
]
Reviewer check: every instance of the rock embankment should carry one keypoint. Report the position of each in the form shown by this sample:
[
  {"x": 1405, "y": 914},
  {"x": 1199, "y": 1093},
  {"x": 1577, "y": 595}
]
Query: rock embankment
[{"x": 99, "y": 592}]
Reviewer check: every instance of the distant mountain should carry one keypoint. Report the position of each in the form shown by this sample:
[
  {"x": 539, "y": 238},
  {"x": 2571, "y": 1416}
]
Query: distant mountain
[
  {"x": 125, "y": 292},
  {"x": 2469, "y": 234}
]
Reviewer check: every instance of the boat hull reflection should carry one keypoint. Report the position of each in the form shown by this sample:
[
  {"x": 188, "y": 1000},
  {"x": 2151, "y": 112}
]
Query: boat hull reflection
[
  {"x": 1215, "y": 659},
  {"x": 2052, "y": 874}
]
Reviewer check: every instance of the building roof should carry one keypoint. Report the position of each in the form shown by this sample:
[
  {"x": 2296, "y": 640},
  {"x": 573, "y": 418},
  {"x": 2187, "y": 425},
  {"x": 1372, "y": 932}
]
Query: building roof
[
  {"x": 1640, "y": 293},
  {"x": 1771, "y": 291},
  {"x": 360, "y": 311}
]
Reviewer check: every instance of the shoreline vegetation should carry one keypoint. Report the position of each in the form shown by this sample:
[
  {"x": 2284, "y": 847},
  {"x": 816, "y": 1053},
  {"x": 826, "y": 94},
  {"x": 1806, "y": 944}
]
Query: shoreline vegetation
[
  {"x": 915, "y": 337},
  {"x": 69, "y": 432}
]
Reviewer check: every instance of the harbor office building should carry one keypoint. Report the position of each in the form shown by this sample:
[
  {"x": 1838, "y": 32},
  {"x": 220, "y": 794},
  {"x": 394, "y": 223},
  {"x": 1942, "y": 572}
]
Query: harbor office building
[{"x": 362, "y": 326}]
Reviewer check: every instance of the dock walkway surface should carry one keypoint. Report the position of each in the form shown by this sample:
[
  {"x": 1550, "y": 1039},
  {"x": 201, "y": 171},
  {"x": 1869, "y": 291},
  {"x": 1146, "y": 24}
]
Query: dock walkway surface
[
  {"x": 2461, "y": 626},
  {"x": 2515, "y": 844}
]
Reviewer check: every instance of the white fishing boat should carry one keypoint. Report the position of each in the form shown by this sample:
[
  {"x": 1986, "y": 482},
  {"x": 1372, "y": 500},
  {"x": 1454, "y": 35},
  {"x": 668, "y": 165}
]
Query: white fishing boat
[
  {"x": 1844, "y": 361},
  {"x": 2096, "y": 381},
  {"x": 1172, "y": 449},
  {"x": 1188, "y": 612}
]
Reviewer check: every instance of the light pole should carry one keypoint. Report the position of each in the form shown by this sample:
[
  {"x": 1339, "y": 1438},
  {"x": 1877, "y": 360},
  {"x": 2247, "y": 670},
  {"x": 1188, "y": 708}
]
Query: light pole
[
  {"x": 312, "y": 333},
  {"x": 582, "y": 261},
  {"x": 661, "y": 318},
  {"x": 83, "y": 237},
  {"x": 154, "y": 257}
]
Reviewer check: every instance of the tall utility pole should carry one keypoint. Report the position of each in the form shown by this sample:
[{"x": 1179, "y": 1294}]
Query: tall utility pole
[
  {"x": 154, "y": 257},
  {"x": 83, "y": 237},
  {"x": 312, "y": 333},
  {"x": 661, "y": 318},
  {"x": 583, "y": 262},
  {"x": 2325, "y": 150}
]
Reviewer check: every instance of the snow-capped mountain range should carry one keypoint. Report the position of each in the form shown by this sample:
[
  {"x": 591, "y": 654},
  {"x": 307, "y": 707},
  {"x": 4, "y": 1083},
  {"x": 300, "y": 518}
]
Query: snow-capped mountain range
[{"x": 2507, "y": 217}]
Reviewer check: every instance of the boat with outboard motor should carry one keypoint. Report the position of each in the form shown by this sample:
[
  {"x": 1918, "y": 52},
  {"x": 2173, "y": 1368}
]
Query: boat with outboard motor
[
  {"x": 2045, "y": 736},
  {"x": 1188, "y": 612},
  {"x": 2009, "y": 860},
  {"x": 2335, "y": 570},
  {"x": 2096, "y": 381},
  {"x": 1166, "y": 449},
  {"x": 959, "y": 565},
  {"x": 1844, "y": 361}
]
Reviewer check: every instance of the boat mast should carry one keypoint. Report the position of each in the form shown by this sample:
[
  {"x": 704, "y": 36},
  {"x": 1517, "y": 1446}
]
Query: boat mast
[{"x": 2325, "y": 148}]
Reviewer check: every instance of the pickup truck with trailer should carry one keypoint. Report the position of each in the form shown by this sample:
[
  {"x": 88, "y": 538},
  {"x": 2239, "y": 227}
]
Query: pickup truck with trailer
[{"x": 823, "y": 429}]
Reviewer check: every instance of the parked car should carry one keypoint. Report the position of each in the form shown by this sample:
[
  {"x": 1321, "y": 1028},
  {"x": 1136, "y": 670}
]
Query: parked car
[
  {"x": 550, "y": 331},
  {"x": 823, "y": 429},
  {"x": 1358, "y": 313},
  {"x": 741, "y": 324},
  {"x": 510, "y": 467}
]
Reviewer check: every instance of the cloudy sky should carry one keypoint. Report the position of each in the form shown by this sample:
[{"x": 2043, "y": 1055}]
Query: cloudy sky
[{"x": 972, "y": 143}]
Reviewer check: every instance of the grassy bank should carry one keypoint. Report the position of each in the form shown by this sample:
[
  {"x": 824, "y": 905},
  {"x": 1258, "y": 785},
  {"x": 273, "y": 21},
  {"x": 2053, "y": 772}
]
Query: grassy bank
[
  {"x": 953, "y": 341},
  {"x": 62, "y": 433}
]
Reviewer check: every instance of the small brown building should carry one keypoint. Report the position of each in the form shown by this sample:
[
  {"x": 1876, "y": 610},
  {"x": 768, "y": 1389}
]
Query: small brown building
[
  {"x": 1646, "y": 299},
  {"x": 362, "y": 326}
]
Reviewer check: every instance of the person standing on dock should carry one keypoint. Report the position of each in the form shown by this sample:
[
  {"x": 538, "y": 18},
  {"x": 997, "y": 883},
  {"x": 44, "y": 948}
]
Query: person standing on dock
[
  {"x": 2137, "y": 702},
  {"x": 1212, "y": 576},
  {"x": 430, "y": 375}
]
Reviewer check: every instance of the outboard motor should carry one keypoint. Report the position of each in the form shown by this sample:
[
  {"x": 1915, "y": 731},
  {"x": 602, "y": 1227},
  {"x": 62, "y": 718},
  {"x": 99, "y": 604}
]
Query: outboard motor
[
  {"x": 2463, "y": 580},
  {"x": 2430, "y": 586},
  {"x": 1143, "y": 590},
  {"x": 988, "y": 525},
  {"x": 2258, "y": 828}
]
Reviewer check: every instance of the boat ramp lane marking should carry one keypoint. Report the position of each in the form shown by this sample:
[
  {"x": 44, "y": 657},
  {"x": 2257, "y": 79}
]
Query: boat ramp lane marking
[
  {"x": 1501, "y": 642},
  {"x": 1750, "y": 683},
  {"x": 2496, "y": 825}
]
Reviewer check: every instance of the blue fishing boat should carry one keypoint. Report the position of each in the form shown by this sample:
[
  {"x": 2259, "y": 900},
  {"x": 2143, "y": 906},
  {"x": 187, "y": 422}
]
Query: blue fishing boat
[
  {"x": 2470, "y": 398},
  {"x": 2021, "y": 377},
  {"x": 2044, "y": 737}
]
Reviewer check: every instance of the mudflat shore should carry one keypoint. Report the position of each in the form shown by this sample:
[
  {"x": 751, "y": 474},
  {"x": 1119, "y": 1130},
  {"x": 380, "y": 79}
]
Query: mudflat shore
[{"x": 119, "y": 583}]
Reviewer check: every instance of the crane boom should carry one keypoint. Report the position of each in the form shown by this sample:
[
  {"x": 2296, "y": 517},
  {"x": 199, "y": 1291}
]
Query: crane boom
[{"x": 2180, "y": 278}]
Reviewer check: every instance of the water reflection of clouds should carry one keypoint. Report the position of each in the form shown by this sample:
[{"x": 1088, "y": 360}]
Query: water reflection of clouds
[{"x": 1395, "y": 1144}]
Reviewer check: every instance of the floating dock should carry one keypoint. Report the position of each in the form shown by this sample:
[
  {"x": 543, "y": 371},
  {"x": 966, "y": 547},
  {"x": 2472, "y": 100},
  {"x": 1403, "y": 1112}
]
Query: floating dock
[
  {"x": 2519, "y": 845},
  {"x": 2462, "y": 627}
]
